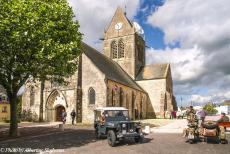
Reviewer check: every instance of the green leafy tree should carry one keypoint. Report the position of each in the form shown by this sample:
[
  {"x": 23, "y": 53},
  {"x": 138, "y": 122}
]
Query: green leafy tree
[
  {"x": 38, "y": 39},
  {"x": 210, "y": 108}
]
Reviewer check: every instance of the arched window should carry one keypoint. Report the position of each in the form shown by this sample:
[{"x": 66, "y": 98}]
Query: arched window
[
  {"x": 114, "y": 49},
  {"x": 121, "y": 49},
  {"x": 32, "y": 96},
  {"x": 91, "y": 96}
]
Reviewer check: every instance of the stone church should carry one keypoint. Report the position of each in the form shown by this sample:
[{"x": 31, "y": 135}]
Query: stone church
[{"x": 117, "y": 76}]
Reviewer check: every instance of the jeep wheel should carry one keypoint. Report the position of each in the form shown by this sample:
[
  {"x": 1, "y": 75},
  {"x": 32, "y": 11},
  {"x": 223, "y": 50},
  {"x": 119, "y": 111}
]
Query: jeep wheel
[
  {"x": 191, "y": 141},
  {"x": 97, "y": 134},
  {"x": 111, "y": 137},
  {"x": 223, "y": 141},
  {"x": 138, "y": 139}
]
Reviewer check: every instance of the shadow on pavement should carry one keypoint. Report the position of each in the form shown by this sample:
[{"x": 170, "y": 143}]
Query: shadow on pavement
[
  {"x": 130, "y": 142},
  {"x": 51, "y": 138}
]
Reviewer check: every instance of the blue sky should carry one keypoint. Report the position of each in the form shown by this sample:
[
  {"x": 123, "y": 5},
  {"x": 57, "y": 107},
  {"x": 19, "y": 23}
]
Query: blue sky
[
  {"x": 154, "y": 37},
  {"x": 193, "y": 36}
]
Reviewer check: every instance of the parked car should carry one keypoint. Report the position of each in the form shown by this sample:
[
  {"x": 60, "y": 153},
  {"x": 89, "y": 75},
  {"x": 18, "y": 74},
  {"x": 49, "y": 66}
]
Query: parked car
[{"x": 115, "y": 124}]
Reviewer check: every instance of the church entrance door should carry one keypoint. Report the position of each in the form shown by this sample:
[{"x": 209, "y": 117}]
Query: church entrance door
[{"x": 59, "y": 110}]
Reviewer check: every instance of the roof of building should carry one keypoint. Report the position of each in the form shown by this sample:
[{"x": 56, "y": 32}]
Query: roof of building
[
  {"x": 120, "y": 10},
  {"x": 111, "y": 69},
  {"x": 153, "y": 71}
]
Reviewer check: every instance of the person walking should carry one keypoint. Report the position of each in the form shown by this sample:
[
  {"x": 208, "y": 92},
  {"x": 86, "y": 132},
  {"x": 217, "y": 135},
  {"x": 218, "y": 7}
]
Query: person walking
[
  {"x": 63, "y": 116},
  {"x": 73, "y": 115}
]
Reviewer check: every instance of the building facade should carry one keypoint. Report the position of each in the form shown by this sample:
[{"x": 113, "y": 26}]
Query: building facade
[
  {"x": 117, "y": 76},
  {"x": 4, "y": 106}
]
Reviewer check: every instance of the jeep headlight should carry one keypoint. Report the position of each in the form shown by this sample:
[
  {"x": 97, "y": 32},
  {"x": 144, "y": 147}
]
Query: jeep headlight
[{"x": 123, "y": 125}]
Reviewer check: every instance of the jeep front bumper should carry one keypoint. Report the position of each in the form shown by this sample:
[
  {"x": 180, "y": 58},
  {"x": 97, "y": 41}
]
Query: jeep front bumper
[{"x": 128, "y": 135}]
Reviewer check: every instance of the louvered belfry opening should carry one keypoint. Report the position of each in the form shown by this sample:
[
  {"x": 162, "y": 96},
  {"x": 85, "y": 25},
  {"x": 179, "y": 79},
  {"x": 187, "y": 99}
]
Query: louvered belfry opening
[
  {"x": 114, "y": 49},
  {"x": 121, "y": 49}
]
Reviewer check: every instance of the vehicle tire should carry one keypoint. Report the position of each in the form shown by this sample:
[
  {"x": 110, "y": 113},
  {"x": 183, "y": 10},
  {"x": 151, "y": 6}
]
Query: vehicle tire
[
  {"x": 223, "y": 141},
  {"x": 210, "y": 126},
  {"x": 111, "y": 138},
  {"x": 97, "y": 134},
  {"x": 138, "y": 139},
  {"x": 191, "y": 141},
  {"x": 207, "y": 140},
  {"x": 202, "y": 139}
]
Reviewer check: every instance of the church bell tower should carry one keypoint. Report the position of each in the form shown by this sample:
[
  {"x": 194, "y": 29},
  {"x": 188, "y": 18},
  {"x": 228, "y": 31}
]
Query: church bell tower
[{"x": 124, "y": 44}]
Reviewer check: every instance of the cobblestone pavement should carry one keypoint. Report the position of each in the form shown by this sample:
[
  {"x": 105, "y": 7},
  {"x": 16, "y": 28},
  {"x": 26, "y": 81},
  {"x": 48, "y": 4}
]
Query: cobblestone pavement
[{"x": 80, "y": 139}]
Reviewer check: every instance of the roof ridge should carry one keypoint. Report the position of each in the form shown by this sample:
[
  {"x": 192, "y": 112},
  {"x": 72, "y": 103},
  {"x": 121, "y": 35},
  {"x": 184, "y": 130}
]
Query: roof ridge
[
  {"x": 167, "y": 69},
  {"x": 97, "y": 51},
  {"x": 120, "y": 75},
  {"x": 157, "y": 64}
]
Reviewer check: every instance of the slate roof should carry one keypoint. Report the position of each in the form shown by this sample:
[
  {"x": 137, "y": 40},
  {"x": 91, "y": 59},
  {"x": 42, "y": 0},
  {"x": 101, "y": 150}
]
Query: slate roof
[
  {"x": 111, "y": 69},
  {"x": 153, "y": 71}
]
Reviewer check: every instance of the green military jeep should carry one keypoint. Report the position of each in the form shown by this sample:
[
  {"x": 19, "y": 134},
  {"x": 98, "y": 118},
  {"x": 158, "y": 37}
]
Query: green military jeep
[{"x": 116, "y": 125}]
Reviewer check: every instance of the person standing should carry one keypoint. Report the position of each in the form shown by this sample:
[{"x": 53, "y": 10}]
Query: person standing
[
  {"x": 73, "y": 115},
  {"x": 202, "y": 113},
  {"x": 63, "y": 116},
  {"x": 171, "y": 115}
]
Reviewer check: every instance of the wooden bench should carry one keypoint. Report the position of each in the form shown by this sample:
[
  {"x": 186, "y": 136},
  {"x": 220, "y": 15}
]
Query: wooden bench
[{"x": 224, "y": 124}]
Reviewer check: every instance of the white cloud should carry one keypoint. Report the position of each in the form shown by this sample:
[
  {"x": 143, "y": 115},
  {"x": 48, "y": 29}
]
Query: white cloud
[
  {"x": 216, "y": 97},
  {"x": 94, "y": 16},
  {"x": 186, "y": 63},
  {"x": 194, "y": 21},
  {"x": 202, "y": 60},
  {"x": 199, "y": 98},
  {"x": 200, "y": 27}
]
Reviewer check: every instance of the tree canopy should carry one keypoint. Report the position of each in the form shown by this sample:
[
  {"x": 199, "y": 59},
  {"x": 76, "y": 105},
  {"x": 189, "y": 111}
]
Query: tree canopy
[
  {"x": 38, "y": 39},
  {"x": 210, "y": 108}
]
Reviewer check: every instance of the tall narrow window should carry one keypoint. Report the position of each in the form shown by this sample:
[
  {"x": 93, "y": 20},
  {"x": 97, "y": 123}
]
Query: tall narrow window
[
  {"x": 32, "y": 96},
  {"x": 114, "y": 49},
  {"x": 121, "y": 97},
  {"x": 91, "y": 96},
  {"x": 121, "y": 49}
]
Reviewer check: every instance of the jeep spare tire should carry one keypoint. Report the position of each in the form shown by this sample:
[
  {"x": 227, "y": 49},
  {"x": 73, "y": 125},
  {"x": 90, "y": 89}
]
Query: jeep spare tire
[
  {"x": 210, "y": 125},
  {"x": 111, "y": 137}
]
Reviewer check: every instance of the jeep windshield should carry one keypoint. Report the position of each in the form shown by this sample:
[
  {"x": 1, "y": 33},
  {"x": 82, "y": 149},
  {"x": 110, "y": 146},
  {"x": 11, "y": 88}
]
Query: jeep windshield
[{"x": 115, "y": 115}]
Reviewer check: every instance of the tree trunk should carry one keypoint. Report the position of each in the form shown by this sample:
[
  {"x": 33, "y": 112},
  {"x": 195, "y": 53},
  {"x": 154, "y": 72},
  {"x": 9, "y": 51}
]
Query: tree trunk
[
  {"x": 13, "y": 115},
  {"x": 41, "y": 101}
]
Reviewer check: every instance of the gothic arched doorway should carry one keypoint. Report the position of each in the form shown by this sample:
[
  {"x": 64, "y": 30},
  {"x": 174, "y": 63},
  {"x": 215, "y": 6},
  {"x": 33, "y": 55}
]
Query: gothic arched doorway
[
  {"x": 55, "y": 103},
  {"x": 59, "y": 110}
]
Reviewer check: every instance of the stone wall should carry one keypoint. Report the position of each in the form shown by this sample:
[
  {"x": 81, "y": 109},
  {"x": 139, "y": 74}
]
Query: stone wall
[
  {"x": 154, "y": 88},
  {"x": 28, "y": 103},
  {"x": 134, "y": 100},
  {"x": 134, "y": 44},
  {"x": 92, "y": 77},
  {"x": 128, "y": 62},
  {"x": 67, "y": 98}
]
